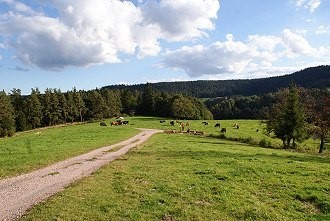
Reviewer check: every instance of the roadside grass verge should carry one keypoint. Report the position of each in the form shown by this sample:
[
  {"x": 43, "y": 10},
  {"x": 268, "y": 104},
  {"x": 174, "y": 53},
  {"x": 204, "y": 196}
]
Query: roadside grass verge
[
  {"x": 41, "y": 147},
  {"x": 186, "y": 177}
]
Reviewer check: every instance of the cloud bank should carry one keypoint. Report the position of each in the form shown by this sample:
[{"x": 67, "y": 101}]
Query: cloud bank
[
  {"x": 256, "y": 55},
  {"x": 82, "y": 33}
]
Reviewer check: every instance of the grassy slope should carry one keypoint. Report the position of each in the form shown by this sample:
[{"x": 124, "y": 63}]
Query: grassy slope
[
  {"x": 247, "y": 130},
  {"x": 195, "y": 178},
  {"x": 30, "y": 150}
]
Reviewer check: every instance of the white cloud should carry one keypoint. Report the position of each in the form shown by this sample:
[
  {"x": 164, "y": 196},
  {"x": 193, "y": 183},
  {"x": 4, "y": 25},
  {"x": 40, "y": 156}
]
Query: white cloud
[
  {"x": 323, "y": 30},
  {"x": 299, "y": 3},
  {"x": 311, "y": 5},
  {"x": 296, "y": 44},
  {"x": 19, "y": 6},
  {"x": 101, "y": 31},
  {"x": 236, "y": 59},
  {"x": 268, "y": 43},
  {"x": 218, "y": 58},
  {"x": 181, "y": 20}
]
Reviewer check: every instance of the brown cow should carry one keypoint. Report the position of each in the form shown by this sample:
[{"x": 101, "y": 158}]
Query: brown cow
[{"x": 114, "y": 123}]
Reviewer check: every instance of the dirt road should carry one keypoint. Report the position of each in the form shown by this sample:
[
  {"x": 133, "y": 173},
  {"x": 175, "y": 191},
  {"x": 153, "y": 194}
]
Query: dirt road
[{"x": 20, "y": 193}]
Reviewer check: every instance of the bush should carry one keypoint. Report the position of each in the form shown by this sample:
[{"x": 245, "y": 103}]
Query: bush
[{"x": 263, "y": 142}]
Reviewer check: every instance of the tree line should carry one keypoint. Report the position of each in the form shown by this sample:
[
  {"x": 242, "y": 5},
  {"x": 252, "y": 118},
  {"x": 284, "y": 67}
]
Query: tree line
[
  {"x": 292, "y": 114},
  {"x": 313, "y": 77},
  {"x": 20, "y": 113}
]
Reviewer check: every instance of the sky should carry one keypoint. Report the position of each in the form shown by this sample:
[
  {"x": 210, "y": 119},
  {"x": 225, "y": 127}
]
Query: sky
[{"x": 90, "y": 44}]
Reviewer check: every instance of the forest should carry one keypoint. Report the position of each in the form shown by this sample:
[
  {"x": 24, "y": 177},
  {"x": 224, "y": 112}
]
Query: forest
[
  {"x": 313, "y": 77},
  {"x": 20, "y": 113}
]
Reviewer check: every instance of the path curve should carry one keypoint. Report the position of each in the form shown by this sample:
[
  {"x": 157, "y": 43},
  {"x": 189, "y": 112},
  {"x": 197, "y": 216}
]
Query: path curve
[{"x": 18, "y": 194}]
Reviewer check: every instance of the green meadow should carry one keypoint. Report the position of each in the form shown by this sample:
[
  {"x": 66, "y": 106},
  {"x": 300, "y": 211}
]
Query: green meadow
[
  {"x": 34, "y": 149},
  {"x": 188, "y": 177},
  {"x": 178, "y": 176}
]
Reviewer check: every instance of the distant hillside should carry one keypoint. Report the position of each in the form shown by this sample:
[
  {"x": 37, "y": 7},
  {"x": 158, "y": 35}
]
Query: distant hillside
[{"x": 314, "y": 77}]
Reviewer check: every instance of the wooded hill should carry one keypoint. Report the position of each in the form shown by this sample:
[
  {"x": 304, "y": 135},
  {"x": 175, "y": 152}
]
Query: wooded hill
[{"x": 314, "y": 77}]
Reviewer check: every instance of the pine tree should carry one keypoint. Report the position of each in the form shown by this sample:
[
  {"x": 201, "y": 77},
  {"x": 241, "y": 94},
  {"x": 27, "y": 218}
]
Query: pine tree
[
  {"x": 63, "y": 107},
  {"x": 55, "y": 107},
  {"x": 147, "y": 106},
  {"x": 7, "y": 118},
  {"x": 113, "y": 102},
  {"x": 79, "y": 103},
  {"x": 72, "y": 110},
  {"x": 18, "y": 104},
  {"x": 96, "y": 106},
  {"x": 47, "y": 107},
  {"x": 286, "y": 119},
  {"x": 33, "y": 109}
]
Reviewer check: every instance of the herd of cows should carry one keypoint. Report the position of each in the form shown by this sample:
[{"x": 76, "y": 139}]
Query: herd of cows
[
  {"x": 115, "y": 123},
  {"x": 222, "y": 130},
  {"x": 181, "y": 124}
]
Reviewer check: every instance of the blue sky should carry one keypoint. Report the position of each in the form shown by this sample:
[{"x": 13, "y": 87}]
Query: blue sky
[{"x": 88, "y": 44}]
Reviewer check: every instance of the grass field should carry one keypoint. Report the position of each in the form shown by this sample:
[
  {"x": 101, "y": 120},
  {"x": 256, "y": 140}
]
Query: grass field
[
  {"x": 246, "y": 133},
  {"x": 34, "y": 149},
  {"x": 187, "y": 177},
  {"x": 177, "y": 176}
]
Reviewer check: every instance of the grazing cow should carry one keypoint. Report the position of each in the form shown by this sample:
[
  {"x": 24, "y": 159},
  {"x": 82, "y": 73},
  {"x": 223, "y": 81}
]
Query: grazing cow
[
  {"x": 199, "y": 133},
  {"x": 125, "y": 122},
  {"x": 257, "y": 130},
  {"x": 115, "y": 123},
  {"x": 217, "y": 125},
  {"x": 172, "y": 123},
  {"x": 182, "y": 126},
  {"x": 223, "y": 130},
  {"x": 162, "y": 121},
  {"x": 103, "y": 124},
  {"x": 205, "y": 123}
]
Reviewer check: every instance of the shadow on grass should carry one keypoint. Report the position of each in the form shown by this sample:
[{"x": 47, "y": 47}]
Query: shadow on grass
[
  {"x": 226, "y": 154},
  {"x": 222, "y": 152},
  {"x": 153, "y": 119}
]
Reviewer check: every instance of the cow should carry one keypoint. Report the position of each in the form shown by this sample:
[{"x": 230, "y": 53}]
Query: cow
[
  {"x": 223, "y": 130},
  {"x": 115, "y": 123},
  {"x": 172, "y": 123},
  {"x": 125, "y": 122},
  {"x": 217, "y": 125},
  {"x": 205, "y": 123},
  {"x": 199, "y": 133},
  {"x": 103, "y": 124},
  {"x": 162, "y": 121}
]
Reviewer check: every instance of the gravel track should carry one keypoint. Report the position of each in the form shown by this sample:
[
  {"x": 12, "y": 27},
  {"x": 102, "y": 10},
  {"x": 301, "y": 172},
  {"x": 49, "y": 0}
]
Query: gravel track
[{"x": 18, "y": 194}]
